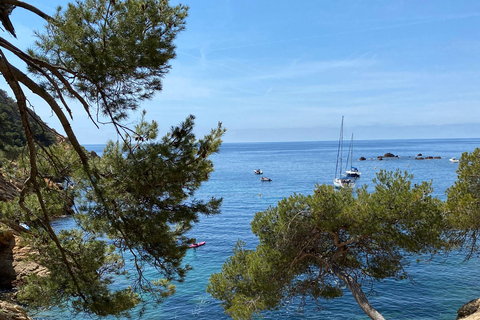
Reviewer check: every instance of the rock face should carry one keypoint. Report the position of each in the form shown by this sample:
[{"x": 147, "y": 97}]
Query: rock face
[
  {"x": 10, "y": 311},
  {"x": 469, "y": 311},
  {"x": 14, "y": 263},
  {"x": 8, "y": 191}
]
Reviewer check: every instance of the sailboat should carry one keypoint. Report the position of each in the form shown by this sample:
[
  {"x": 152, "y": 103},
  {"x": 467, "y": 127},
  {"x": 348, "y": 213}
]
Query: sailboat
[
  {"x": 353, "y": 171},
  {"x": 341, "y": 181}
]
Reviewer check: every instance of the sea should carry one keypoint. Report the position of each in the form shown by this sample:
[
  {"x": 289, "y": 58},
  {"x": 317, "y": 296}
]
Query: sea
[{"x": 436, "y": 288}]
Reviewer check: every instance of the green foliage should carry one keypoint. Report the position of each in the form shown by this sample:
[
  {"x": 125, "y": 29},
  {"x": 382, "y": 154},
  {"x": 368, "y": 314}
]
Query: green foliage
[
  {"x": 138, "y": 201},
  {"x": 116, "y": 51},
  {"x": 463, "y": 202},
  {"x": 139, "y": 208},
  {"x": 94, "y": 261},
  {"x": 147, "y": 191},
  {"x": 308, "y": 242}
]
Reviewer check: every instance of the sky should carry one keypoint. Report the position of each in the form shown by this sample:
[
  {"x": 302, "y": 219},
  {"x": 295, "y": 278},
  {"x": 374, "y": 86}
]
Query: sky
[{"x": 288, "y": 71}]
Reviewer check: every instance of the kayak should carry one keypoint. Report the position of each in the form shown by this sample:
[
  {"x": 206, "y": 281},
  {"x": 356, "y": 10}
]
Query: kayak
[{"x": 196, "y": 245}]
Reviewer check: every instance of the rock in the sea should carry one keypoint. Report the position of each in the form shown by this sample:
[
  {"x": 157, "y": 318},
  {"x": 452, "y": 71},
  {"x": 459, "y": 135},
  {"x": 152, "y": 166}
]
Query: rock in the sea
[
  {"x": 11, "y": 311},
  {"x": 362, "y": 159},
  {"x": 469, "y": 311},
  {"x": 94, "y": 155},
  {"x": 389, "y": 155}
]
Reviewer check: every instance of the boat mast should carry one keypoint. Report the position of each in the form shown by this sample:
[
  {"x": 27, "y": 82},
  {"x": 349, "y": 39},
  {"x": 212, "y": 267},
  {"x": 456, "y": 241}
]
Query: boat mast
[
  {"x": 350, "y": 155},
  {"x": 339, "y": 152}
]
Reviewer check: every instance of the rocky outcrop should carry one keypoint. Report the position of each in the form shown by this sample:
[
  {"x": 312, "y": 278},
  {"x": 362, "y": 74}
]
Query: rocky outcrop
[
  {"x": 14, "y": 267},
  {"x": 469, "y": 311},
  {"x": 8, "y": 191},
  {"x": 11, "y": 311},
  {"x": 389, "y": 155},
  {"x": 14, "y": 262}
]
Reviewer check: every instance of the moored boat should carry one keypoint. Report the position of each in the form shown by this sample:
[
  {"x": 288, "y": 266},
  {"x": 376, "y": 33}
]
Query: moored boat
[
  {"x": 265, "y": 179},
  {"x": 342, "y": 180},
  {"x": 353, "y": 172}
]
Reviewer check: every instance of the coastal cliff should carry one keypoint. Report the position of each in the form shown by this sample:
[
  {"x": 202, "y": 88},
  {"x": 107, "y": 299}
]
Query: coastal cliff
[
  {"x": 15, "y": 265},
  {"x": 11, "y": 311},
  {"x": 15, "y": 262}
]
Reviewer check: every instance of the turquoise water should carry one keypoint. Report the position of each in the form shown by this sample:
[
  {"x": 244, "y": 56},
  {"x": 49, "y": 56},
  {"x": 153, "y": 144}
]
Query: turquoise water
[{"x": 438, "y": 288}]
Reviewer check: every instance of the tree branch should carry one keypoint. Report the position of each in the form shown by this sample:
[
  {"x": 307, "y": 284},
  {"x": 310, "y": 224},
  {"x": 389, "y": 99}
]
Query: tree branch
[
  {"x": 7, "y": 71},
  {"x": 29, "y": 7},
  {"x": 37, "y": 64}
]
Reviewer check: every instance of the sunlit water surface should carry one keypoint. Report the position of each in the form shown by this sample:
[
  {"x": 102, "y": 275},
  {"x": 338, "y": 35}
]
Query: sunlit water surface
[{"x": 438, "y": 288}]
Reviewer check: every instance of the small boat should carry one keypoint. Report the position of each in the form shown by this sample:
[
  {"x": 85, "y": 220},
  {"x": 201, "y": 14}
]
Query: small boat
[
  {"x": 265, "y": 179},
  {"x": 353, "y": 172},
  {"x": 454, "y": 159},
  {"x": 196, "y": 245},
  {"x": 257, "y": 171}
]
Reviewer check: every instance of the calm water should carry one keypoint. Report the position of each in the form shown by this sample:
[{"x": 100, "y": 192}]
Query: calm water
[{"x": 439, "y": 288}]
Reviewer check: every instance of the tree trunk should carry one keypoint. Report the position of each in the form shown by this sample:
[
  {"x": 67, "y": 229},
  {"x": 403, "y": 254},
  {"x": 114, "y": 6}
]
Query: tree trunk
[{"x": 357, "y": 293}]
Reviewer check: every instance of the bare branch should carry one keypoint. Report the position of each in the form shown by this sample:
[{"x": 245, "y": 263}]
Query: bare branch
[
  {"x": 29, "y": 7},
  {"x": 35, "y": 88},
  {"x": 37, "y": 64}
]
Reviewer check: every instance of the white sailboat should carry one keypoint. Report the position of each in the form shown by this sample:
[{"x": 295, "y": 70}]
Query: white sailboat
[
  {"x": 341, "y": 181},
  {"x": 353, "y": 171}
]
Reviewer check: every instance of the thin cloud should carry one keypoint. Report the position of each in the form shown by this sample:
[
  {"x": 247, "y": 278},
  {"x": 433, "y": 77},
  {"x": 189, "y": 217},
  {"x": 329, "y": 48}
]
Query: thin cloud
[{"x": 394, "y": 26}]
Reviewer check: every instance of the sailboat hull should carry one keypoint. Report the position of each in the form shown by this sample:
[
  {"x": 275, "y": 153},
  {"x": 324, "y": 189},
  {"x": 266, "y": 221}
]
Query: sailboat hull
[{"x": 343, "y": 182}]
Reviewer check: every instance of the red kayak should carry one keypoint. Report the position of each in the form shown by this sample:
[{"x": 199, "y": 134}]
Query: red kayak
[{"x": 196, "y": 245}]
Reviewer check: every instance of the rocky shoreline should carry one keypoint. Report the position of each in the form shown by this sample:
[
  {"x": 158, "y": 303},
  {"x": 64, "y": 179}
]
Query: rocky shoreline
[
  {"x": 15, "y": 266},
  {"x": 12, "y": 311}
]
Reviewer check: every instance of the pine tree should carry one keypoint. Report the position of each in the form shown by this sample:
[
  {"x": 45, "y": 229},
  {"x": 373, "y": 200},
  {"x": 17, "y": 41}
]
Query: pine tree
[
  {"x": 138, "y": 199},
  {"x": 313, "y": 245}
]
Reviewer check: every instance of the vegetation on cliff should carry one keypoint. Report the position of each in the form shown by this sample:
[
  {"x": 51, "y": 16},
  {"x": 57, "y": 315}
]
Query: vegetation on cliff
[{"x": 12, "y": 135}]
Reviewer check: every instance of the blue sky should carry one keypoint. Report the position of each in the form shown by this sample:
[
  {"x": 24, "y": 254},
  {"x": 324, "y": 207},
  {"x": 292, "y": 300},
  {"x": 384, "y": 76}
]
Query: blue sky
[{"x": 288, "y": 71}]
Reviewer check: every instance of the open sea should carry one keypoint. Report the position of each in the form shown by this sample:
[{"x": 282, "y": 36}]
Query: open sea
[{"x": 437, "y": 289}]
